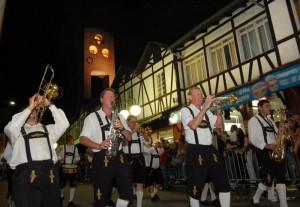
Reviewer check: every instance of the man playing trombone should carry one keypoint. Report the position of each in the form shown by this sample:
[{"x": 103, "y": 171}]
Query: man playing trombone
[
  {"x": 35, "y": 181},
  {"x": 203, "y": 160}
]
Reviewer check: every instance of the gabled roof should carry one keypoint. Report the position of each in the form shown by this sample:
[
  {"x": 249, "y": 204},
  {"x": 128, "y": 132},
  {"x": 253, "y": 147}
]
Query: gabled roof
[
  {"x": 212, "y": 20},
  {"x": 152, "y": 49}
]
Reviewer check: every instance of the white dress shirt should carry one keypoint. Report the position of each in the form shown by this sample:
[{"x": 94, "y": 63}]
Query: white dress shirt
[
  {"x": 38, "y": 147},
  {"x": 91, "y": 127},
  {"x": 256, "y": 134},
  {"x": 67, "y": 158},
  {"x": 148, "y": 151},
  {"x": 135, "y": 147},
  {"x": 204, "y": 134}
]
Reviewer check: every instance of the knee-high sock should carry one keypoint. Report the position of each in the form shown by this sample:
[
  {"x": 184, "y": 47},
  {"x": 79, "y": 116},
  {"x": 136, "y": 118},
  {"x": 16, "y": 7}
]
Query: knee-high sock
[
  {"x": 194, "y": 202},
  {"x": 260, "y": 189},
  {"x": 212, "y": 193},
  {"x": 139, "y": 198},
  {"x": 72, "y": 193},
  {"x": 281, "y": 189},
  {"x": 271, "y": 193},
  {"x": 224, "y": 199},
  {"x": 62, "y": 192},
  {"x": 121, "y": 203},
  {"x": 204, "y": 192}
]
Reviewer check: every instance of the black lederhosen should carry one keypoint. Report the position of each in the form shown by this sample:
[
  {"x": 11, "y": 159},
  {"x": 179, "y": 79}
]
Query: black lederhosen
[
  {"x": 107, "y": 172},
  {"x": 117, "y": 171},
  {"x": 137, "y": 163},
  {"x": 270, "y": 169},
  {"x": 154, "y": 176},
  {"x": 68, "y": 177},
  {"x": 204, "y": 162},
  {"x": 35, "y": 183}
]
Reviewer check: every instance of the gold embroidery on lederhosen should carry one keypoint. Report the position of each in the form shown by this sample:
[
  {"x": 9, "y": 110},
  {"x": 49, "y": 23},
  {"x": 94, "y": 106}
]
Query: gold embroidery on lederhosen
[
  {"x": 99, "y": 194},
  {"x": 200, "y": 160},
  {"x": 37, "y": 134},
  {"x": 215, "y": 157},
  {"x": 121, "y": 158},
  {"x": 32, "y": 176},
  {"x": 269, "y": 178},
  {"x": 194, "y": 190},
  {"x": 51, "y": 176},
  {"x": 106, "y": 161}
]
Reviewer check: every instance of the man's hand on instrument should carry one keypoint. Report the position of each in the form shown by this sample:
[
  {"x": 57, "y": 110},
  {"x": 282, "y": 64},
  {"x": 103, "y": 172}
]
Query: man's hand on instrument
[
  {"x": 34, "y": 101},
  {"x": 104, "y": 144},
  {"x": 119, "y": 125},
  {"x": 209, "y": 100}
]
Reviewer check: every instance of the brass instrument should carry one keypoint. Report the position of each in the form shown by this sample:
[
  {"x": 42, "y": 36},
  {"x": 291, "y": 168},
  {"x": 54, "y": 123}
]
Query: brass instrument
[
  {"x": 115, "y": 137},
  {"x": 283, "y": 135},
  {"x": 223, "y": 101},
  {"x": 48, "y": 90}
]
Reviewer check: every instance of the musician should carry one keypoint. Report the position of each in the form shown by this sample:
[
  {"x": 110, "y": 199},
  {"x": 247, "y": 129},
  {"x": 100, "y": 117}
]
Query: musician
[
  {"x": 203, "y": 160},
  {"x": 69, "y": 157},
  {"x": 35, "y": 180},
  {"x": 134, "y": 153},
  {"x": 154, "y": 175},
  {"x": 106, "y": 170},
  {"x": 262, "y": 134}
]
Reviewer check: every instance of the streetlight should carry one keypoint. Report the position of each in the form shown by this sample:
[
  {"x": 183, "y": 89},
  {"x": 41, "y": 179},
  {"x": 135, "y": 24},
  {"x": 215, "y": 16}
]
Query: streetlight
[
  {"x": 135, "y": 110},
  {"x": 124, "y": 113},
  {"x": 12, "y": 103},
  {"x": 174, "y": 117}
]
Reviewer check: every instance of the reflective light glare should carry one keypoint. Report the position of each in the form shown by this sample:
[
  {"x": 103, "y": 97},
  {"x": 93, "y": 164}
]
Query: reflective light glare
[
  {"x": 93, "y": 49},
  {"x": 174, "y": 117},
  {"x": 124, "y": 113},
  {"x": 12, "y": 103},
  {"x": 135, "y": 110},
  {"x": 55, "y": 145}
]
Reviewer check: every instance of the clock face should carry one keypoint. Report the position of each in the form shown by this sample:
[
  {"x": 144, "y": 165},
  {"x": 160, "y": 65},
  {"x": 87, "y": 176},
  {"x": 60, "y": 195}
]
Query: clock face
[{"x": 89, "y": 60}]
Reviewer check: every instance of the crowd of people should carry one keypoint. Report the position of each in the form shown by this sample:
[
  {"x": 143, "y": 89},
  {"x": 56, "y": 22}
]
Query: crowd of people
[{"x": 119, "y": 148}]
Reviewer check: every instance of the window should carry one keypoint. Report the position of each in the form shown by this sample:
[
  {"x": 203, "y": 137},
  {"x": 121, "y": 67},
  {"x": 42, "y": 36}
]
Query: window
[
  {"x": 161, "y": 84},
  {"x": 223, "y": 56},
  {"x": 255, "y": 39},
  {"x": 129, "y": 98},
  {"x": 195, "y": 70}
]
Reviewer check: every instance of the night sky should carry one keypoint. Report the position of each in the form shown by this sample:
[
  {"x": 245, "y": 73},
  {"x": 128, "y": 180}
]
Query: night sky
[{"x": 37, "y": 33}]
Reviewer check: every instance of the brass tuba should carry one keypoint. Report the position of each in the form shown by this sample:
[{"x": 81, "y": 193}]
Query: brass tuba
[{"x": 48, "y": 89}]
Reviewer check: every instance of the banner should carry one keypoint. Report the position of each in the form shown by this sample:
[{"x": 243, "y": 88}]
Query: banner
[{"x": 274, "y": 81}]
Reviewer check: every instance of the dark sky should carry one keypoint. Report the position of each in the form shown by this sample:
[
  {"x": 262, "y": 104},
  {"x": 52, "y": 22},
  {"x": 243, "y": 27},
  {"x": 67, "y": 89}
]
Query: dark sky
[{"x": 37, "y": 33}]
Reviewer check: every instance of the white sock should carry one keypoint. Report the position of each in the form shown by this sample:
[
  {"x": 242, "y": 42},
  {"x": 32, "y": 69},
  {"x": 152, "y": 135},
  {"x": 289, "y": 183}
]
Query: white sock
[
  {"x": 72, "y": 193},
  {"x": 212, "y": 193},
  {"x": 194, "y": 202},
  {"x": 62, "y": 192},
  {"x": 204, "y": 192},
  {"x": 139, "y": 198},
  {"x": 121, "y": 203},
  {"x": 271, "y": 194},
  {"x": 224, "y": 199},
  {"x": 281, "y": 189},
  {"x": 260, "y": 189},
  {"x": 133, "y": 190}
]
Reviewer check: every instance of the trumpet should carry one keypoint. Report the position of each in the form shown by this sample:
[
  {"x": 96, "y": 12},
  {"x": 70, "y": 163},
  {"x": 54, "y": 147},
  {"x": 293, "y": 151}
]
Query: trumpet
[
  {"x": 223, "y": 101},
  {"x": 48, "y": 90}
]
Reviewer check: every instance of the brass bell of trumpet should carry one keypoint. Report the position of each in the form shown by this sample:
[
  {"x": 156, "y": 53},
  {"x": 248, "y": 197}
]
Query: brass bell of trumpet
[
  {"x": 48, "y": 89},
  {"x": 223, "y": 101}
]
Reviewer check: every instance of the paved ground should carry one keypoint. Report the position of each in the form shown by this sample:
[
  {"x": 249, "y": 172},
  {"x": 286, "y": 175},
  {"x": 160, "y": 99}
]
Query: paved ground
[{"x": 174, "y": 198}]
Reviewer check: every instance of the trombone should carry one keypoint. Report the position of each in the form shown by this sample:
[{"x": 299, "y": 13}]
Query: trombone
[{"x": 47, "y": 89}]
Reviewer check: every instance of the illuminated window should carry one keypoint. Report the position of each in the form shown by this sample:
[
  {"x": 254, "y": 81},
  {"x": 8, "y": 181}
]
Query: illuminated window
[
  {"x": 93, "y": 49},
  {"x": 98, "y": 38},
  {"x": 195, "y": 70},
  {"x": 105, "y": 52}
]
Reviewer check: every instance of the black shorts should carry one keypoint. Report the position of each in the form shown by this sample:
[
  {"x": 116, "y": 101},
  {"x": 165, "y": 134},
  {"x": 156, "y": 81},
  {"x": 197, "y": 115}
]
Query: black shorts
[
  {"x": 205, "y": 163},
  {"x": 68, "y": 177},
  {"x": 36, "y": 185},
  {"x": 154, "y": 176},
  {"x": 104, "y": 177},
  {"x": 138, "y": 169},
  {"x": 270, "y": 169}
]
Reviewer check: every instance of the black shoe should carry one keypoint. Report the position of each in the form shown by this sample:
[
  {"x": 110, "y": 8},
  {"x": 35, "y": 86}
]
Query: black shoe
[
  {"x": 155, "y": 198},
  {"x": 204, "y": 203},
  {"x": 216, "y": 202},
  {"x": 254, "y": 204},
  {"x": 61, "y": 201},
  {"x": 111, "y": 203},
  {"x": 71, "y": 204}
]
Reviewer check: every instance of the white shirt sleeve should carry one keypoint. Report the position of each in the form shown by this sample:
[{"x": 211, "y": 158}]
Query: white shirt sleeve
[
  {"x": 76, "y": 156},
  {"x": 212, "y": 119},
  {"x": 148, "y": 150},
  {"x": 255, "y": 133},
  {"x": 89, "y": 128},
  {"x": 60, "y": 152},
  {"x": 186, "y": 116},
  {"x": 124, "y": 122},
  {"x": 60, "y": 125},
  {"x": 14, "y": 126}
]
